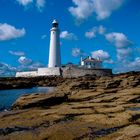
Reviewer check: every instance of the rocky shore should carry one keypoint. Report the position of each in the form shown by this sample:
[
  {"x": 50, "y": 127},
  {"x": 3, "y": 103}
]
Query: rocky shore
[
  {"x": 84, "y": 108},
  {"x": 22, "y": 82}
]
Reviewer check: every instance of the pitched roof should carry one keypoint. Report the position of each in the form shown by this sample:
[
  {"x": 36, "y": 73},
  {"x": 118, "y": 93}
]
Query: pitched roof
[{"x": 90, "y": 59}]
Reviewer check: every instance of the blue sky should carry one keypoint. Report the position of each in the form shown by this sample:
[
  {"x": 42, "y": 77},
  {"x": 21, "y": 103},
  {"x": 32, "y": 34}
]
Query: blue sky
[{"x": 109, "y": 29}]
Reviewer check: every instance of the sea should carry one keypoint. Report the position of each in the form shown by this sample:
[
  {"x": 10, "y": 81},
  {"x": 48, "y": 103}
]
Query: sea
[{"x": 8, "y": 97}]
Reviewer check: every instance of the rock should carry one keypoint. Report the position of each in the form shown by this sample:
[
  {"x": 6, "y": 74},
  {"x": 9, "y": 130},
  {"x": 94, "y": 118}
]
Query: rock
[
  {"x": 113, "y": 84},
  {"x": 39, "y": 100},
  {"x": 102, "y": 108},
  {"x": 8, "y": 130},
  {"x": 20, "y": 82}
]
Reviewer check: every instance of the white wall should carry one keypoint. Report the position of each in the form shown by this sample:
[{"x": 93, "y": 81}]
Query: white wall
[
  {"x": 27, "y": 74},
  {"x": 49, "y": 71},
  {"x": 54, "y": 53},
  {"x": 93, "y": 64}
]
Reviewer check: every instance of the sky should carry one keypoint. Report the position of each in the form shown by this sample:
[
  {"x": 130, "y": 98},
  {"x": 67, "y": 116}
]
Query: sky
[{"x": 105, "y": 29}]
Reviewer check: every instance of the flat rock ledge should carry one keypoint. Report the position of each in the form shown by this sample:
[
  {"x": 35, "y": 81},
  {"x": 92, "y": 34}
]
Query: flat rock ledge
[{"x": 102, "y": 108}]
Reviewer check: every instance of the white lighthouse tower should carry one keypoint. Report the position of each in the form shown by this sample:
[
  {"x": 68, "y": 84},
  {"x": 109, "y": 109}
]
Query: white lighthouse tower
[{"x": 54, "y": 54}]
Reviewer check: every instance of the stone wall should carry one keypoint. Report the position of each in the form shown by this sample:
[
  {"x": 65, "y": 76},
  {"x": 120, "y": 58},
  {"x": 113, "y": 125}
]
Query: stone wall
[
  {"x": 66, "y": 72},
  {"x": 77, "y": 72}
]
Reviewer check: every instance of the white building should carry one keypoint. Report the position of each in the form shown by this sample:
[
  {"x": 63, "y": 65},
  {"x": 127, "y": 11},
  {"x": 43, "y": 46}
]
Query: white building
[
  {"x": 54, "y": 65},
  {"x": 54, "y": 54},
  {"x": 90, "y": 62}
]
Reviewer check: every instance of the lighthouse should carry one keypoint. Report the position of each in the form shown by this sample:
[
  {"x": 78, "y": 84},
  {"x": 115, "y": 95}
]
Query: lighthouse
[{"x": 54, "y": 54}]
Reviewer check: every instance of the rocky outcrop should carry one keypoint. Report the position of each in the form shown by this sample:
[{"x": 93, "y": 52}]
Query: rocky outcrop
[
  {"x": 40, "y": 100},
  {"x": 104, "y": 108},
  {"x": 22, "y": 82}
]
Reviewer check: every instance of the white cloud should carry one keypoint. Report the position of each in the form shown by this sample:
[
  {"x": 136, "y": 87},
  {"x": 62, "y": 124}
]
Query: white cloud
[
  {"x": 83, "y": 9},
  {"x": 103, "y": 55},
  {"x": 35, "y": 66},
  {"x": 134, "y": 65},
  {"x": 104, "y": 8},
  {"x": 24, "y": 61},
  {"x": 118, "y": 39},
  {"x": 40, "y": 4},
  {"x": 122, "y": 44},
  {"x": 95, "y": 30},
  {"x": 30, "y": 67},
  {"x": 101, "y": 30},
  {"x": 124, "y": 53},
  {"x": 86, "y": 8},
  {"x": 17, "y": 53},
  {"x": 100, "y": 54},
  {"x": 4, "y": 66},
  {"x": 91, "y": 33},
  {"x": 6, "y": 70},
  {"x": 25, "y": 2},
  {"x": 76, "y": 52},
  {"x": 68, "y": 36},
  {"x": 43, "y": 36},
  {"x": 8, "y": 32},
  {"x": 126, "y": 66}
]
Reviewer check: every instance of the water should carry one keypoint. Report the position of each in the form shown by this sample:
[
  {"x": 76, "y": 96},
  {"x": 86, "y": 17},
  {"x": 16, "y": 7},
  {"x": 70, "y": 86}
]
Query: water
[
  {"x": 134, "y": 109},
  {"x": 8, "y": 97}
]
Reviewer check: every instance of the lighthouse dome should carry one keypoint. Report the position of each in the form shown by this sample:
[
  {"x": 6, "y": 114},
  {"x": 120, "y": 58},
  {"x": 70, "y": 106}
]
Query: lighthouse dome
[{"x": 55, "y": 23}]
